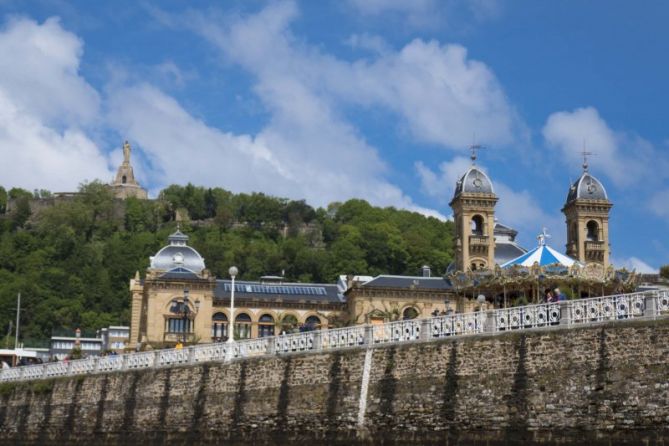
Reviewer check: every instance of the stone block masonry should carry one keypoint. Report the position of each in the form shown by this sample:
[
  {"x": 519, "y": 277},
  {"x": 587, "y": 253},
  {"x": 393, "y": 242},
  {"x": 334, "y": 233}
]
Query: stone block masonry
[{"x": 606, "y": 384}]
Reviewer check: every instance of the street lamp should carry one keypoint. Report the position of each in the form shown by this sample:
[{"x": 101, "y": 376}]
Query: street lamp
[
  {"x": 233, "y": 271},
  {"x": 185, "y": 311}
]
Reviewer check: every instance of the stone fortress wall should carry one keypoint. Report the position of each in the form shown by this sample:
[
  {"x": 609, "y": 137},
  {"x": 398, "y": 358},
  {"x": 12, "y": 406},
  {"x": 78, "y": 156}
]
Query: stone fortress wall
[{"x": 602, "y": 384}]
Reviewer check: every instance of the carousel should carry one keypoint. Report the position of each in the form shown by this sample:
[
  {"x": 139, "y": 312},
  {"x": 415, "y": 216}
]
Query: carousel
[{"x": 539, "y": 273}]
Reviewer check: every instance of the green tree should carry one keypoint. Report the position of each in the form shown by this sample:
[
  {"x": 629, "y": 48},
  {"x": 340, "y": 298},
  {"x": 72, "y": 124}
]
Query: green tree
[{"x": 664, "y": 271}]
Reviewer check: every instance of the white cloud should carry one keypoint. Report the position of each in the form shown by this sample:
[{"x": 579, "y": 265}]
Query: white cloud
[
  {"x": 43, "y": 103},
  {"x": 308, "y": 149},
  {"x": 41, "y": 77},
  {"x": 634, "y": 263},
  {"x": 429, "y": 12},
  {"x": 623, "y": 158},
  {"x": 659, "y": 203}
]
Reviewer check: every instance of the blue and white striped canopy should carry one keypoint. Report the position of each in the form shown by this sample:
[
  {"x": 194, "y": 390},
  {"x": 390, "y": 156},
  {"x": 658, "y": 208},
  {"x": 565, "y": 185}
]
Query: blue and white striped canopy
[{"x": 542, "y": 254}]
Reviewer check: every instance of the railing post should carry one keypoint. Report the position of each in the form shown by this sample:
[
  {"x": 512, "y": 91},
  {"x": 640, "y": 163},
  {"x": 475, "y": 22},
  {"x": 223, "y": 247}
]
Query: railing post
[
  {"x": 369, "y": 335},
  {"x": 191, "y": 355},
  {"x": 318, "y": 340},
  {"x": 489, "y": 323},
  {"x": 564, "y": 312},
  {"x": 156, "y": 359},
  {"x": 271, "y": 345},
  {"x": 426, "y": 329},
  {"x": 651, "y": 304}
]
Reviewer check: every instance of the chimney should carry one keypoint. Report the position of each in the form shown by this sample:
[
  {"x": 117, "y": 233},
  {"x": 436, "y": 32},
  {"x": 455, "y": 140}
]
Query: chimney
[{"x": 426, "y": 271}]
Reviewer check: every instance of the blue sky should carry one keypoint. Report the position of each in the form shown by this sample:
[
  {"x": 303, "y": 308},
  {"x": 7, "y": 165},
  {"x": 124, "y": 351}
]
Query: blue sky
[{"x": 326, "y": 101}]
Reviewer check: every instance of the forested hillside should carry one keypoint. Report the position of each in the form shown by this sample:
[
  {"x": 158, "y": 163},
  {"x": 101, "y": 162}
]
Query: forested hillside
[{"x": 72, "y": 261}]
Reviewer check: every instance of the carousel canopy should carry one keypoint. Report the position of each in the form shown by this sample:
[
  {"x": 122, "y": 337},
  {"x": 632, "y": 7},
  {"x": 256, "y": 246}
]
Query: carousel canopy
[{"x": 543, "y": 255}]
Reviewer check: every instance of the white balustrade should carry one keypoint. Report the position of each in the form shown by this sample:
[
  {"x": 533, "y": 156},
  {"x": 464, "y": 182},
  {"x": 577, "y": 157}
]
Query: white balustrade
[
  {"x": 530, "y": 316},
  {"x": 580, "y": 311},
  {"x": 296, "y": 342},
  {"x": 343, "y": 337},
  {"x": 400, "y": 331}
]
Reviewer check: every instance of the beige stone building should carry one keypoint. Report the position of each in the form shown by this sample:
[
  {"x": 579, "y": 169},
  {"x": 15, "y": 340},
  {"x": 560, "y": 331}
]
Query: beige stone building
[
  {"x": 180, "y": 300},
  {"x": 125, "y": 185}
]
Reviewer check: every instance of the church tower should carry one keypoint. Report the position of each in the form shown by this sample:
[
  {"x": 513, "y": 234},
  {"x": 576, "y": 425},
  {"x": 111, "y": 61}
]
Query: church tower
[
  {"x": 587, "y": 212},
  {"x": 124, "y": 184},
  {"x": 473, "y": 207}
]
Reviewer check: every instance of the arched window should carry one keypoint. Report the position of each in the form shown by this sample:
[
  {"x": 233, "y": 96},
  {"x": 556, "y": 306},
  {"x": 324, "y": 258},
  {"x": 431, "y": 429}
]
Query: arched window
[
  {"x": 409, "y": 313},
  {"x": 265, "y": 326},
  {"x": 477, "y": 225},
  {"x": 219, "y": 327},
  {"x": 243, "y": 326},
  {"x": 124, "y": 179},
  {"x": 592, "y": 231},
  {"x": 312, "y": 323},
  {"x": 289, "y": 323},
  {"x": 180, "y": 318}
]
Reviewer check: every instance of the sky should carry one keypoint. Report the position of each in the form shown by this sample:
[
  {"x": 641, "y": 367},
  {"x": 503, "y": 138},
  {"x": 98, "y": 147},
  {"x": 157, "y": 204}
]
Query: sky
[{"x": 332, "y": 100}]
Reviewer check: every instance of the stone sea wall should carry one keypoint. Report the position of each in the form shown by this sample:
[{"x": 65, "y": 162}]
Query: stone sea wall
[{"x": 607, "y": 384}]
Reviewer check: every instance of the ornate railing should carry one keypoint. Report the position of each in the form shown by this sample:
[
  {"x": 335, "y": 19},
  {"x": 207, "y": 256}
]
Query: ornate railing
[{"x": 569, "y": 313}]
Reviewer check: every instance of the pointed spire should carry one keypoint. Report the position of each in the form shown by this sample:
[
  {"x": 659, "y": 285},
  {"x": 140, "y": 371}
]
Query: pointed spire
[
  {"x": 474, "y": 148},
  {"x": 585, "y": 154}
]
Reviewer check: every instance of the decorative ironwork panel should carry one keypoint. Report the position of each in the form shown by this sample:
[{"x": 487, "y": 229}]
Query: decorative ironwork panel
[
  {"x": 110, "y": 363},
  {"x": 13, "y": 374},
  {"x": 211, "y": 352},
  {"x": 82, "y": 366},
  {"x": 400, "y": 331},
  {"x": 663, "y": 301},
  {"x": 141, "y": 360},
  {"x": 457, "y": 324},
  {"x": 343, "y": 337},
  {"x": 33, "y": 372},
  {"x": 56, "y": 369},
  {"x": 255, "y": 347},
  {"x": 295, "y": 342},
  {"x": 173, "y": 356}
]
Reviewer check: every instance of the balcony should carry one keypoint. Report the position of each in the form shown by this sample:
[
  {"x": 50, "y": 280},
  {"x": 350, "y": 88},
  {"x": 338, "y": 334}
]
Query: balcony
[
  {"x": 594, "y": 245},
  {"x": 478, "y": 245},
  {"x": 478, "y": 240}
]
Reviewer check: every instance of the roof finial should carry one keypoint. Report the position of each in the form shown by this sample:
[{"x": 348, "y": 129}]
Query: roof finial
[
  {"x": 585, "y": 154},
  {"x": 543, "y": 236},
  {"x": 474, "y": 148}
]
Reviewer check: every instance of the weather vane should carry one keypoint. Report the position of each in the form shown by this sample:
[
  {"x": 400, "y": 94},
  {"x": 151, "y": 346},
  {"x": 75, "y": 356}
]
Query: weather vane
[
  {"x": 585, "y": 154},
  {"x": 474, "y": 148}
]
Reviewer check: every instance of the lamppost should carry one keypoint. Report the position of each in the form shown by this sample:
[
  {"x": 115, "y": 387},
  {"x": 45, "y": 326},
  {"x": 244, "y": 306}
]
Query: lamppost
[
  {"x": 185, "y": 312},
  {"x": 233, "y": 271},
  {"x": 481, "y": 300}
]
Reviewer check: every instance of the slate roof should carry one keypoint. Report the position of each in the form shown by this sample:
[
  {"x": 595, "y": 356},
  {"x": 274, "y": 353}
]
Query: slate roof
[
  {"x": 287, "y": 292},
  {"x": 587, "y": 187},
  {"x": 415, "y": 282}
]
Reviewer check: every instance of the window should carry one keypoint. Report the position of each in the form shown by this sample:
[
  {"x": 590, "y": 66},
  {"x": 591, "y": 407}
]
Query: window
[
  {"x": 289, "y": 324},
  {"x": 592, "y": 231},
  {"x": 124, "y": 179},
  {"x": 477, "y": 225},
  {"x": 265, "y": 326},
  {"x": 312, "y": 323},
  {"x": 178, "y": 325},
  {"x": 243, "y": 326},
  {"x": 409, "y": 313},
  {"x": 219, "y": 327}
]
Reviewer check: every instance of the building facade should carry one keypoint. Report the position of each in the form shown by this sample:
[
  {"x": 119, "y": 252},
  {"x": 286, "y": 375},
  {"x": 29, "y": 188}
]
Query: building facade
[{"x": 179, "y": 300}]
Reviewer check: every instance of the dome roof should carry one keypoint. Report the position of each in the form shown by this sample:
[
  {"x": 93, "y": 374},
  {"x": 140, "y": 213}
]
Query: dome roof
[
  {"x": 474, "y": 181},
  {"x": 178, "y": 255},
  {"x": 587, "y": 188}
]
